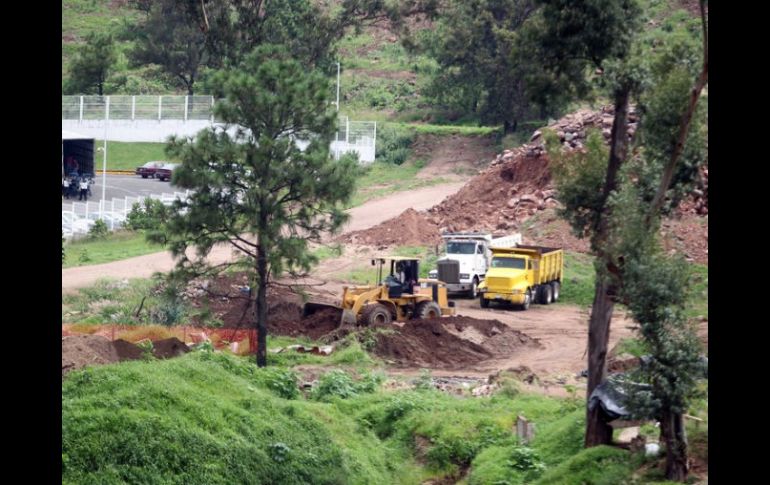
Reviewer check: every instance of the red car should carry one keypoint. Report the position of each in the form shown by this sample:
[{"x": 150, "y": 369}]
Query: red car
[
  {"x": 149, "y": 169},
  {"x": 164, "y": 172}
]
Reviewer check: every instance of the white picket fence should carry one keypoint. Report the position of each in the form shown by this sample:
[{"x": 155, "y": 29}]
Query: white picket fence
[{"x": 79, "y": 217}]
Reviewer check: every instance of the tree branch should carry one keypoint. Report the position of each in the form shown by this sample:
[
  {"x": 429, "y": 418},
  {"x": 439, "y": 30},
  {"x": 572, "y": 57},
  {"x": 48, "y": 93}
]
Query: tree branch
[{"x": 684, "y": 127}]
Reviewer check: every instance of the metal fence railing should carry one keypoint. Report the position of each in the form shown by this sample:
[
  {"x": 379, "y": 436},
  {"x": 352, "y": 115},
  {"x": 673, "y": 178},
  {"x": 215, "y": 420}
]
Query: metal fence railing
[
  {"x": 132, "y": 108},
  {"x": 79, "y": 217},
  {"x": 130, "y": 118}
]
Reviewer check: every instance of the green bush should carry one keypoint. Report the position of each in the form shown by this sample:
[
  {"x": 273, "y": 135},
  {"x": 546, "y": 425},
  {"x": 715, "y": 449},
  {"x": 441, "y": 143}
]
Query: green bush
[
  {"x": 339, "y": 384},
  {"x": 149, "y": 217},
  {"x": 394, "y": 144},
  {"x": 99, "y": 230}
]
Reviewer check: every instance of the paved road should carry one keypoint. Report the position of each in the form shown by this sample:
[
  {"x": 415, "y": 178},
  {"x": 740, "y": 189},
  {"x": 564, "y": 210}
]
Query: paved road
[{"x": 119, "y": 186}]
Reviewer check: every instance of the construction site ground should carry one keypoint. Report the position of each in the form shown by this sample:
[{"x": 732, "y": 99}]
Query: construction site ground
[{"x": 513, "y": 193}]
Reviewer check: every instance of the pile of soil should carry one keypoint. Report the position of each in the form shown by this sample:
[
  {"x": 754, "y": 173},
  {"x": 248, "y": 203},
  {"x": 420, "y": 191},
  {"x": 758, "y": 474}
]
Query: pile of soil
[
  {"x": 408, "y": 228},
  {"x": 126, "y": 350},
  {"x": 78, "y": 351},
  {"x": 168, "y": 348},
  {"x": 226, "y": 297},
  {"x": 449, "y": 342},
  {"x": 315, "y": 326}
]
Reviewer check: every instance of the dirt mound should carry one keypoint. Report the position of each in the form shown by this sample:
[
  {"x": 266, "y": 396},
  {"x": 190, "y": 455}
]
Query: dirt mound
[
  {"x": 314, "y": 326},
  {"x": 449, "y": 342},
  {"x": 78, "y": 351},
  {"x": 168, "y": 348},
  {"x": 81, "y": 350},
  {"x": 126, "y": 350},
  {"x": 410, "y": 227}
]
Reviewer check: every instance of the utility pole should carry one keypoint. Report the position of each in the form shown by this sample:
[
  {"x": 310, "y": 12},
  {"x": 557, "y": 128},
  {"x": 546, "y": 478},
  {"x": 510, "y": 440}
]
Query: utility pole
[{"x": 337, "y": 134}]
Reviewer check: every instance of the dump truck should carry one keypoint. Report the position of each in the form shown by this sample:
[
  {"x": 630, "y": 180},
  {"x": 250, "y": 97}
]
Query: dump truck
[
  {"x": 400, "y": 296},
  {"x": 466, "y": 259},
  {"x": 523, "y": 275}
]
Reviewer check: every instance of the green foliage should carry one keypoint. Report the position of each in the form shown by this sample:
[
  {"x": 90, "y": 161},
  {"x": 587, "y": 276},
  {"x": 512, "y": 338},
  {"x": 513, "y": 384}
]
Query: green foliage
[
  {"x": 674, "y": 70},
  {"x": 339, "y": 384},
  {"x": 425, "y": 381},
  {"x": 118, "y": 302},
  {"x": 84, "y": 258},
  {"x": 152, "y": 422},
  {"x": 147, "y": 348},
  {"x": 600, "y": 465},
  {"x": 393, "y": 144},
  {"x": 483, "y": 65},
  {"x": 149, "y": 217},
  {"x": 171, "y": 36},
  {"x": 579, "y": 180},
  {"x": 631, "y": 346},
  {"x": 99, "y": 230},
  {"x": 91, "y": 67},
  {"x": 258, "y": 181}
]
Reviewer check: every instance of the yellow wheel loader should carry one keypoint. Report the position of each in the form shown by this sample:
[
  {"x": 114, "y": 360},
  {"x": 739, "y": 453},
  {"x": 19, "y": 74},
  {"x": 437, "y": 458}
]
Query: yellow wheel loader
[{"x": 401, "y": 295}]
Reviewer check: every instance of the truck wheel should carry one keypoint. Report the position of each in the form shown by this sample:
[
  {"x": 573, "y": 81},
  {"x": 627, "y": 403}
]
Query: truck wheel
[
  {"x": 375, "y": 314},
  {"x": 547, "y": 293},
  {"x": 144, "y": 176},
  {"x": 474, "y": 291},
  {"x": 555, "y": 286},
  {"x": 427, "y": 309},
  {"x": 483, "y": 302},
  {"x": 527, "y": 300}
]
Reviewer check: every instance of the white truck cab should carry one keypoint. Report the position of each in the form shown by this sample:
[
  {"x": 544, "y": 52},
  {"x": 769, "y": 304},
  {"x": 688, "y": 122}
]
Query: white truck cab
[{"x": 466, "y": 259}]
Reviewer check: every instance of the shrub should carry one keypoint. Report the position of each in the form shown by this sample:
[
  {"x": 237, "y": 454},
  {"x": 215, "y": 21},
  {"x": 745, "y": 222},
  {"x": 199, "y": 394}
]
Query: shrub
[
  {"x": 394, "y": 144},
  {"x": 99, "y": 230},
  {"x": 148, "y": 217}
]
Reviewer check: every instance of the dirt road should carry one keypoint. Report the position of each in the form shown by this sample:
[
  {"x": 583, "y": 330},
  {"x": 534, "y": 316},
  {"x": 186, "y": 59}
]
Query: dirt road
[{"x": 366, "y": 215}]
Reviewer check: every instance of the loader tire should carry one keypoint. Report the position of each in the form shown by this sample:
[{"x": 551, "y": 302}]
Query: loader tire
[
  {"x": 483, "y": 302},
  {"x": 375, "y": 314},
  {"x": 556, "y": 287},
  {"x": 427, "y": 309}
]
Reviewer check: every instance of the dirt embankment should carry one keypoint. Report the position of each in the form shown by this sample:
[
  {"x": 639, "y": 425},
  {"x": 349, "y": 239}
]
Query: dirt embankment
[{"x": 517, "y": 186}]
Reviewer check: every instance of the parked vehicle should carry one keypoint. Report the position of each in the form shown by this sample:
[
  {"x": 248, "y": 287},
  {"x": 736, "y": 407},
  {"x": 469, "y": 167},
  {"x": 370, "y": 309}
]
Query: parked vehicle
[
  {"x": 164, "y": 173},
  {"x": 149, "y": 169},
  {"x": 466, "y": 259},
  {"x": 523, "y": 275}
]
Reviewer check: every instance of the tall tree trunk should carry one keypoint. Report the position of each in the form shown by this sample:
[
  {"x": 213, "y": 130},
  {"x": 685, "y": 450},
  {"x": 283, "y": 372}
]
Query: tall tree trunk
[
  {"x": 674, "y": 435},
  {"x": 597, "y": 431},
  {"x": 261, "y": 312}
]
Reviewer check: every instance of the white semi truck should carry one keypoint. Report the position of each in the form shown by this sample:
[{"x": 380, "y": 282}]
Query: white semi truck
[{"x": 466, "y": 258}]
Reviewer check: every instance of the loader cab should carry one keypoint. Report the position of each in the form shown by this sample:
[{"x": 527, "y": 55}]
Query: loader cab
[{"x": 403, "y": 274}]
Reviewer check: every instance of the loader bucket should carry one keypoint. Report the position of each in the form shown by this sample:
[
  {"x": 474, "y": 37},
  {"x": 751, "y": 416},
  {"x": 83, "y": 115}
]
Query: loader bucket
[
  {"x": 348, "y": 318},
  {"x": 311, "y": 308}
]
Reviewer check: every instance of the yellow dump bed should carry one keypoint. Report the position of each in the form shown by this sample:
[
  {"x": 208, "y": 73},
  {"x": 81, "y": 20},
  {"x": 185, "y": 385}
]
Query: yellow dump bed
[{"x": 547, "y": 263}]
